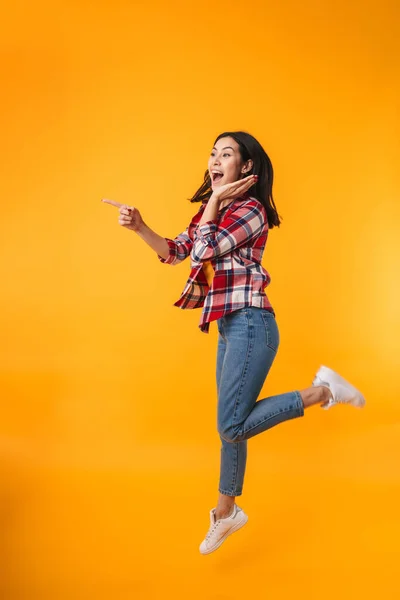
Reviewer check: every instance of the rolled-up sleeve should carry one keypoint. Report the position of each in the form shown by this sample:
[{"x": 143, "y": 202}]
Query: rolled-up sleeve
[
  {"x": 214, "y": 238},
  {"x": 179, "y": 248}
]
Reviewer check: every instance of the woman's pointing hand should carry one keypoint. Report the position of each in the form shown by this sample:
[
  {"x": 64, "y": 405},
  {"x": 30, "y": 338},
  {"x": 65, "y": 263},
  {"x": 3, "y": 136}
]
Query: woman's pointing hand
[{"x": 129, "y": 216}]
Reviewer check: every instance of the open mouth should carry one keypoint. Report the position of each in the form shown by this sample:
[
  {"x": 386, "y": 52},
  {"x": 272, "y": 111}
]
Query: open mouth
[{"x": 217, "y": 177}]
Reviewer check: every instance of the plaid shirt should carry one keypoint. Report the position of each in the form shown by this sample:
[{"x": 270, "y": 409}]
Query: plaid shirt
[{"x": 234, "y": 242}]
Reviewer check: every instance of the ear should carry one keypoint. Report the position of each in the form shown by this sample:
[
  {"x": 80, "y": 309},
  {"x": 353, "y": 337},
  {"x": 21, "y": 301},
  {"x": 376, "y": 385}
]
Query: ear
[{"x": 247, "y": 167}]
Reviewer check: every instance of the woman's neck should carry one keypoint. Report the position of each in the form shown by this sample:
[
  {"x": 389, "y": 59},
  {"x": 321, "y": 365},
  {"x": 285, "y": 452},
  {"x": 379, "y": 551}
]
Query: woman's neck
[{"x": 225, "y": 203}]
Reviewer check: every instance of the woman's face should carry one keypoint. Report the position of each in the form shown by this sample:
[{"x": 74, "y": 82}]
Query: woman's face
[{"x": 225, "y": 158}]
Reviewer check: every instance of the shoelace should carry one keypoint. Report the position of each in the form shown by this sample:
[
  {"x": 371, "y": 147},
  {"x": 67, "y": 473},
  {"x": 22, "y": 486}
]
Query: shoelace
[{"x": 213, "y": 528}]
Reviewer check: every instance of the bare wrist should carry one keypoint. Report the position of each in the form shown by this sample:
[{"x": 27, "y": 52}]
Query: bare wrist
[
  {"x": 214, "y": 198},
  {"x": 141, "y": 229}
]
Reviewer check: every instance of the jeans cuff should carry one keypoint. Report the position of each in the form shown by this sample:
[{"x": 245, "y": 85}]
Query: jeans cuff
[
  {"x": 300, "y": 405},
  {"x": 230, "y": 493}
]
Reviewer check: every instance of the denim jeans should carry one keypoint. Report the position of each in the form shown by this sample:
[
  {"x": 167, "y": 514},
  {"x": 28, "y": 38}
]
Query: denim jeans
[{"x": 248, "y": 341}]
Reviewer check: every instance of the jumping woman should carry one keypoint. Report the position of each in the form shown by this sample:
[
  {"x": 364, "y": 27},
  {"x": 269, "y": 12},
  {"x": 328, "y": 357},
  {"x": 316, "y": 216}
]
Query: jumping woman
[{"x": 225, "y": 241}]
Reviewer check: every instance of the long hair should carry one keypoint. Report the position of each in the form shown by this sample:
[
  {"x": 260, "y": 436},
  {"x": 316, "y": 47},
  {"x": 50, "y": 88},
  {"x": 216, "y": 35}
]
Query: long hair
[{"x": 249, "y": 148}]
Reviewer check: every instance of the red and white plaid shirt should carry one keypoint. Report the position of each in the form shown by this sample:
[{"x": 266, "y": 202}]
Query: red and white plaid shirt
[{"x": 234, "y": 242}]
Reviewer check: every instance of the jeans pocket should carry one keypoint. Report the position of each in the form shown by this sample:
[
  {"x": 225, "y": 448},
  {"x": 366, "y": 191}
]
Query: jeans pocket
[
  {"x": 235, "y": 312},
  {"x": 271, "y": 330}
]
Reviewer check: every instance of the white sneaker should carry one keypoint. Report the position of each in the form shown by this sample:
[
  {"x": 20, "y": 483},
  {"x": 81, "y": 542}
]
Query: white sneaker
[
  {"x": 221, "y": 528},
  {"x": 342, "y": 391}
]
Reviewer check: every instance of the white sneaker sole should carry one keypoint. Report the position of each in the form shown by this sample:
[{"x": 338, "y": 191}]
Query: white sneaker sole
[
  {"x": 327, "y": 374},
  {"x": 243, "y": 520}
]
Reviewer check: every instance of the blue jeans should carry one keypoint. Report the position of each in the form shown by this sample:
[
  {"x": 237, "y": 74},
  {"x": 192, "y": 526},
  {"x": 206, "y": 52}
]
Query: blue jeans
[{"x": 248, "y": 341}]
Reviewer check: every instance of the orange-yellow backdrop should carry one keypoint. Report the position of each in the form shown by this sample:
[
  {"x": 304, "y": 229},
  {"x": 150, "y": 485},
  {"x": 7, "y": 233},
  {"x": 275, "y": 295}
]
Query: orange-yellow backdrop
[{"x": 109, "y": 449}]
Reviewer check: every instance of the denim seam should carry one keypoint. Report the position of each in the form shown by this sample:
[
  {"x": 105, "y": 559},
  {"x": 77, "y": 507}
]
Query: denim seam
[
  {"x": 235, "y": 467},
  {"x": 246, "y": 364},
  {"x": 268, "y": 332}
]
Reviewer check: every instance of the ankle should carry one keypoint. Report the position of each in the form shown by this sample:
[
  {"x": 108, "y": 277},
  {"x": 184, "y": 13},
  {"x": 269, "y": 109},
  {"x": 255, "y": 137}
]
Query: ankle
[
  {"x": 318, "y": 394},
  {"x": 326, "y": 394},
  {"x": 223, "y": 513}
]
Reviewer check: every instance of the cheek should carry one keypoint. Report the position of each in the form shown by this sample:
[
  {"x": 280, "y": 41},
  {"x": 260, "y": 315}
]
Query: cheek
[{"x": 232, "y": 170}]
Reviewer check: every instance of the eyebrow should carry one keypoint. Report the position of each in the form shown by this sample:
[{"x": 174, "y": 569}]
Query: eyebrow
[{"x": 225, "y": 148}]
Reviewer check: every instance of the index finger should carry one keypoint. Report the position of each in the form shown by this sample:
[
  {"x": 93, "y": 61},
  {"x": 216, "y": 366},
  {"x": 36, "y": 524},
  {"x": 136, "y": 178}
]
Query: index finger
[{"x": 117, "y": 204}]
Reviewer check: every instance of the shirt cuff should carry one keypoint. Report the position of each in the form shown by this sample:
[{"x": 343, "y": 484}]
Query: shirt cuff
[
  {"x": 172, "y": 253},
  {"x": 207, "y": 228}
]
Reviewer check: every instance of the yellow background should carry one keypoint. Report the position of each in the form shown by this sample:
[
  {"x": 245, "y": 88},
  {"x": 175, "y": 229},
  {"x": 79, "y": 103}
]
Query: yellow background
[{"x": 109, "y": 450}]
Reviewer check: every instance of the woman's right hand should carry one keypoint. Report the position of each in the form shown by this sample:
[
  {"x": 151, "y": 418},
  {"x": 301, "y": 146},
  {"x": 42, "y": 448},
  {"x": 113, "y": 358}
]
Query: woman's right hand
[{"x": 129, "y": 216}]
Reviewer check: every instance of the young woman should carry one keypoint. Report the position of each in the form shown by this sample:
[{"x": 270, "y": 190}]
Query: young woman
[{"x": 225, "y": 241}]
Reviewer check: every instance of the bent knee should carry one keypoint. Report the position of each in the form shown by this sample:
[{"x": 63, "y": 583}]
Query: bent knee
[{"x": 228, "y": 434}]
